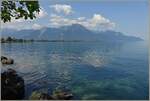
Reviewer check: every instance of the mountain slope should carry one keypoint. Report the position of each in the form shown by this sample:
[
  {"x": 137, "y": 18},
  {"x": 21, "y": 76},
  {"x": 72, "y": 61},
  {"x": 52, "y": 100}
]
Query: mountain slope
[{"x": 73, "y": 32}]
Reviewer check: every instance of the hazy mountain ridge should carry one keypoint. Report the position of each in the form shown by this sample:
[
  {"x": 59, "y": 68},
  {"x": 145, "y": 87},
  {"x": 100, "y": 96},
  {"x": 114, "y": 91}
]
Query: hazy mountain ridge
[{"x": 72, "y": 32}]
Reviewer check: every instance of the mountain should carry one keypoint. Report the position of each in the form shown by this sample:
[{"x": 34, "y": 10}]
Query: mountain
[{"x": 68, "y": 33}]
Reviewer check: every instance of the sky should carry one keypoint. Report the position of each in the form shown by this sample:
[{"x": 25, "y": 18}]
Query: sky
[{"x": 130, "y": 17}]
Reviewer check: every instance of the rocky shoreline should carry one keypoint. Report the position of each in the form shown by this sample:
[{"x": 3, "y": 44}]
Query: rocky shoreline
[
  {"x": 56, "y": 95},
  {"x": 5, "y": 60},
  {"x": 13, "y": 87}
]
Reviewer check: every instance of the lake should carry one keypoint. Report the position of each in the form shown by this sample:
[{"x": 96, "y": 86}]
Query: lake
[{"x": 90, "y": 70}]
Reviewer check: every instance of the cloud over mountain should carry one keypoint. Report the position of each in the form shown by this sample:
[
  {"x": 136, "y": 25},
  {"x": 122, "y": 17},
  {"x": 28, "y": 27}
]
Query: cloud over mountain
[
  {"x": 61, "y": 17},
  {"x": 36, "y": 26},
  {"x": 96, "y": 22}
]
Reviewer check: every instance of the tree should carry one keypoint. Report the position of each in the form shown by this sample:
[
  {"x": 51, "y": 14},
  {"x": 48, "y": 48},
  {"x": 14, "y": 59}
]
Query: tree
[
  {"x": 9, "y": 39},
  {"x": 2, "y": 40},
  {"x": 18, "y": 9}
]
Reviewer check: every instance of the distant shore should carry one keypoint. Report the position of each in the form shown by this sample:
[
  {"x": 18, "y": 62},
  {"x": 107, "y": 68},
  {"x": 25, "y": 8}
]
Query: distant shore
[
  {"x": 29, "y": 41},
  {"x": 14, "y": 40}
]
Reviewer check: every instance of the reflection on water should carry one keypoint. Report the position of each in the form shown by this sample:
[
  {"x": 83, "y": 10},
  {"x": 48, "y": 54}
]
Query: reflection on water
[
  {"x": 93, "y": 58},
  {"x": 91, "y": 70}
]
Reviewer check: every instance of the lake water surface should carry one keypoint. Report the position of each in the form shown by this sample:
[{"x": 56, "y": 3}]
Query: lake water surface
[{"x": 90, "y": 70}]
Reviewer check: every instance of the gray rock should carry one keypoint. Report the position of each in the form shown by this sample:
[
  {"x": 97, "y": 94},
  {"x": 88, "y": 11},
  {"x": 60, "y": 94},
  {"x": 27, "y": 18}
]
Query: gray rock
[
  {"x": 40, "y": 96},
  {"x": 12, "y": 85},
  {"x": 62, "y": 95},
  {"x": 57, "y": 95},
  {"x": 5, "y": 60}
]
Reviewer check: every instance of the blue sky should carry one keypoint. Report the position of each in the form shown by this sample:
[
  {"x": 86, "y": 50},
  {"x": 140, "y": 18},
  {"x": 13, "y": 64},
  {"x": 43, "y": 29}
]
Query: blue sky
[{"x": 129, "y": 17}]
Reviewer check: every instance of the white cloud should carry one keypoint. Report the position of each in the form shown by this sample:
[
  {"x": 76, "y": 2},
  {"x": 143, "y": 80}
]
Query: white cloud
[
  {"x": 81, "y": 18},
  {"x": 36, "y": 26},
  {"x": 66, "y": 9},
  {"x": 97, "y": 22},
  {"x": 17, "y": 20},
  {"x": 17, "y": 24},
  {"x": 42, "y": 13},
  {"x": 57, "y": 21}
]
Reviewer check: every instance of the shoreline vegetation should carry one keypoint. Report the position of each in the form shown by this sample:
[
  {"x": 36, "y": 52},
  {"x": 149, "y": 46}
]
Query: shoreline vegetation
[
  {"x": 15, "y": 40},
  {"x": 20, "y": 40}
]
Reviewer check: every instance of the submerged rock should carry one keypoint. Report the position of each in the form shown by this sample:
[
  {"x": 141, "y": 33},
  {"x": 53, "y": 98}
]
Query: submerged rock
[
  {"x": 57, "y": 95},
  {"x": 5, "y": 60},
  {"x": 62, "y": 95},
  {"x": 12, "y": 85},
  {"x": 40, "y": 96}
]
